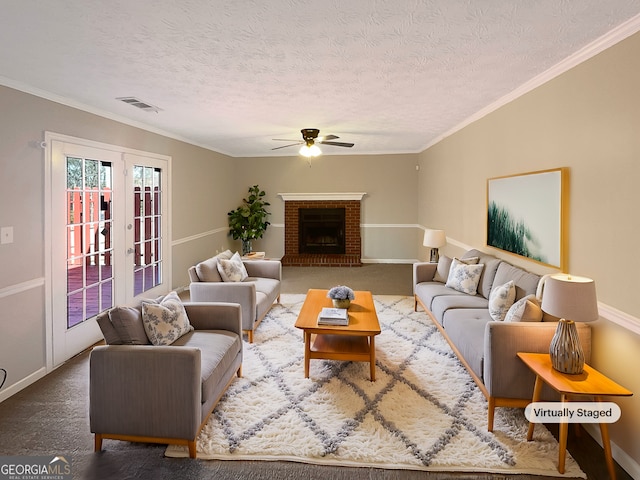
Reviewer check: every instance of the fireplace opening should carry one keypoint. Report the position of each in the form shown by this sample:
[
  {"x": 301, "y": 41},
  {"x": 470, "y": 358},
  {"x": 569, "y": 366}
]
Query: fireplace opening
[{"x": 321, "y": 230}]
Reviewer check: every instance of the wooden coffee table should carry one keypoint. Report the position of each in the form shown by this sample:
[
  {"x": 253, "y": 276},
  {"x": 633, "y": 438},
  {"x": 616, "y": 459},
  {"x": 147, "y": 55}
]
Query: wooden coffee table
[{"x": 354, "y": 342}]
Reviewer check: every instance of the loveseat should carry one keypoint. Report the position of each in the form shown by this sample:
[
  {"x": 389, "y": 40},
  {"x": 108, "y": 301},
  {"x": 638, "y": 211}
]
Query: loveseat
[
  {"x": 256, "y": 289},
  {"x": 486, "y": 331},
  {"x": 162, "y": 392}
]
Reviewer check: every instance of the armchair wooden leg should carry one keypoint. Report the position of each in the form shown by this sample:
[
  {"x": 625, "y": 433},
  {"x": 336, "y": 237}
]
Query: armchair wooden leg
[
  {"x": 192, "y": 448},
  {"x": 98, "y": 442},
  {"x": 250, "y": 336},
  {"x": 239, "y": 372},
  {"x": 491, "y": 408}
]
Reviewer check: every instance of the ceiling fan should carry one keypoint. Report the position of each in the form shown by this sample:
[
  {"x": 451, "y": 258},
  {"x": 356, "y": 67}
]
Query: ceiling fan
[{"x": 309, "y": 140}]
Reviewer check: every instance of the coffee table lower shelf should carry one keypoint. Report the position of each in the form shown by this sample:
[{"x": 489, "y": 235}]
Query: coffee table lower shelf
[{"x": 354, "y": 348}]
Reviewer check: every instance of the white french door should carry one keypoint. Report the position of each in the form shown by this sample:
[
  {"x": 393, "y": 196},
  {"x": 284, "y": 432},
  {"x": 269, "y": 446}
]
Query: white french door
[{"x": 108, "y": 231}]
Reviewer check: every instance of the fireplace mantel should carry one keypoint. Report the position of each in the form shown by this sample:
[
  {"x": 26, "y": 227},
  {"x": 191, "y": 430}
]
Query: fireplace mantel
[{"x": 322, "y": 196}]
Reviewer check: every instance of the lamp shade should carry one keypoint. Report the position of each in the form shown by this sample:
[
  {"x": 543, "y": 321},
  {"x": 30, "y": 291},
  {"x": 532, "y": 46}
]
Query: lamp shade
[
  {"x": 434, "y": 238},
  {"x": 570, "y": 297}
]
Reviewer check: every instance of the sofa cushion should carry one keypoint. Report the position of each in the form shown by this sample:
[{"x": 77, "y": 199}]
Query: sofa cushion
[
  {"x": 166, "y": 321},
  {"x": 527, "y": 309},
  {"x": 464, "y": 278},
  {"x": 500, "y": 300},
  {"x": 444, "y": 303},
  {"x": 207, "y": 271},
  {"x": 488, "y": 274},
  {"x": 526, "y": 282},
  {"x": 218, "y": 350},
  {"x": 427, "y": 291},
  {"x": 465, "y": 329},
  {"x": 232, "y": 270},
  {"x": 269, "y": 286}
]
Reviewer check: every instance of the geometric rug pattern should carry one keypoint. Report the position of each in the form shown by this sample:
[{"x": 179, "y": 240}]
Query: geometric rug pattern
[{"x": 423, "y": 412}]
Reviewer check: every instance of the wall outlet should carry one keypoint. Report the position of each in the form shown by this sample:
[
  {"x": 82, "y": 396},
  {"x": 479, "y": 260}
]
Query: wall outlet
[{"x": 6, "y": 235}]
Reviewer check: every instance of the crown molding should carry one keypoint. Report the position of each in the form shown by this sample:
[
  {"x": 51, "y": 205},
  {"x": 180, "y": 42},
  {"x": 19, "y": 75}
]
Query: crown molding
[{"x": 599, "y": 45}]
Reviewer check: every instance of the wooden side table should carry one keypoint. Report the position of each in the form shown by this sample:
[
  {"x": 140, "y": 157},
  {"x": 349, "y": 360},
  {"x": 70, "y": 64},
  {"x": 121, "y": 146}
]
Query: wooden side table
[{"x": 588, "y": 383}]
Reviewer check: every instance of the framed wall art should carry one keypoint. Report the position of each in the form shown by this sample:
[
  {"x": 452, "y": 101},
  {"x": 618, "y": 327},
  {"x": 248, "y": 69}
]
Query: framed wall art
[{"x": 527, "y": 215}]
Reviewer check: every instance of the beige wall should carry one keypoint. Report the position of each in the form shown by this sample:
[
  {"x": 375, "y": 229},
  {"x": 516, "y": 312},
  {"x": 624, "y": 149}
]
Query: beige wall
[
  {"x": 587, "y": 119},
  {"x": 389, "y": 210},
  {"x": 199, "y": 206}
]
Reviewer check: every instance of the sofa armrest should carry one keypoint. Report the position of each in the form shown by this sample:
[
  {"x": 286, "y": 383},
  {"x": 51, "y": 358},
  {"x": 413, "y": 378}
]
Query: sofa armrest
[
  {"x": 243, "y": 293},
  {"x": 505, "y": 375},
  {"x": 264, "y": 268},
  {"x": 423, "y": 272},
  {"x": 145, "y": 390},
  {"x": 215, "y": 316}
]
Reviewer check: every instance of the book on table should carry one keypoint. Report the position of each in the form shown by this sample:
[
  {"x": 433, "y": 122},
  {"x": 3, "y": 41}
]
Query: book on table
[{"x": 333, "y": 316}]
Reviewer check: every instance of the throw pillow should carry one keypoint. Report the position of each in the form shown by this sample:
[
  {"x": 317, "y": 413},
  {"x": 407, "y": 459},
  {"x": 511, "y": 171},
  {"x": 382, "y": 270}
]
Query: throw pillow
[
  {"x": 232, "y": 270},
  {"x": 464, "y": 278},
  {"x": 226, "y": 255},
  {"x": 442, "y": 270},
  {"x": 527, "y": 309},
  {"x": 500, "y": 300},
  {"x": 444, "y": 267},
  {"x": 128, "y": 323},
  {"x": 166, "y": 321}
]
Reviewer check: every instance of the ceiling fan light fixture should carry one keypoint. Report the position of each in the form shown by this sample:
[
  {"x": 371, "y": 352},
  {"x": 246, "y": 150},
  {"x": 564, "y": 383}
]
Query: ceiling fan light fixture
[{"x": 310, "y": 150}]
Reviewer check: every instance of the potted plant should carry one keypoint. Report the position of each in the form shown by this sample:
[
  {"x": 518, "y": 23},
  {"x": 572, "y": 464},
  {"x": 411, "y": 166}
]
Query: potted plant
[
  {"x": 249, "y": 220},
  {"x": 341, "y": 296}
]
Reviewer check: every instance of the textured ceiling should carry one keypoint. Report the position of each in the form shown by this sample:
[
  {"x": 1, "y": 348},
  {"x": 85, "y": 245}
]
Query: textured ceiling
[{"x": 390, "y": 76}]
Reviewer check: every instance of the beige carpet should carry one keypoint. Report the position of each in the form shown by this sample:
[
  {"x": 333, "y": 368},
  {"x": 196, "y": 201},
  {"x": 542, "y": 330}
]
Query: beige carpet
[{"x": 423, "y": 413}]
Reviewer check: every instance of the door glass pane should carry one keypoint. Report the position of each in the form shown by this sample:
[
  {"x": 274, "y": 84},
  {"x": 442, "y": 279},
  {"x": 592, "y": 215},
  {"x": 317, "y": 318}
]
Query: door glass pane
[
  {"x": 89, "y": 239},
  {"x": 147, "y": 232}
]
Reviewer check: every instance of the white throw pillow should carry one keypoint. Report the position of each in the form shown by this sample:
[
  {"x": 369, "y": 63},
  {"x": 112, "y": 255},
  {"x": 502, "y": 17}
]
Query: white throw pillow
[
  {"x": 232, "y": 270},
  {"x": 464, "y": 278},
  {"x": 500, "y": 300},
  {"x": 166, "y": 321},
  {"x": 444, "y": 267},
  {"x": 527, "y": 309}
]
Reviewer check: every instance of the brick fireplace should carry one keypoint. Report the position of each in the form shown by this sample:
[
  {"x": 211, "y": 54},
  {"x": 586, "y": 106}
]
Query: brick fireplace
[{"x": 294, "y": 202}]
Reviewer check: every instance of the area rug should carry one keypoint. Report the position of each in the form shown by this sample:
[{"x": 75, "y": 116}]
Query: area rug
[{"x": 423, "y": 412}]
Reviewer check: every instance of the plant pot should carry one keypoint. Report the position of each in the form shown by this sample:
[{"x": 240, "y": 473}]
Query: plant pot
[
  {"x": 246, "y": 247},
  {"x": 341, "y": 302}
]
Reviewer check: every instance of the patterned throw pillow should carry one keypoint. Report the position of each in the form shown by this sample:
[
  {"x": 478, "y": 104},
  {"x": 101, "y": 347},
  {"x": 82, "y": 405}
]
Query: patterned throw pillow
[
  {"x": 166, "y": 321},
  {"x": 444, "y": 267},
  {"x": 526, "y": 309},
  {"x": 232, "y": 270},
  {"x": 500, "y": 300},
  {"x": 464, "y": 278}
]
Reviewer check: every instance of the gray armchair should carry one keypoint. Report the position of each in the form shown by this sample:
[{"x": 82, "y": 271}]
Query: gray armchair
[
  {"x": 255, "y": 294},
  {"x": 164, "y": 394}
]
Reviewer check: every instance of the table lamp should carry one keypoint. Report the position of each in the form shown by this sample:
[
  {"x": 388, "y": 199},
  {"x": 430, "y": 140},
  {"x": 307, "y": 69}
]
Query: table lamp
[
  {"x": 571, "y": 299},
  {"x": 434, "y": 239}
]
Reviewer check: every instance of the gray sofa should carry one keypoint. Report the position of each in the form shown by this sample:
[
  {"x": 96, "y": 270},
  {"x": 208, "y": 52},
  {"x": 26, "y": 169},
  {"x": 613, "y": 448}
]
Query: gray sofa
[
  {"x": 256, "y": 294},
  {"x": 162, "y": 394},
  {"x": 486, "y": 347}
]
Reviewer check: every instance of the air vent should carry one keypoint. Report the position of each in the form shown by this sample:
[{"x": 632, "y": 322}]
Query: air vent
[{"x": 136, "y": 102}]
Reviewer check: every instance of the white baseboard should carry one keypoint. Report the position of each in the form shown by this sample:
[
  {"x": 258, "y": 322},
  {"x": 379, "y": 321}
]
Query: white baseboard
[
  {"x": 389, "y": 260},
  {"x": 23, "y": 383},
  {"x": 624, "y": 460}
]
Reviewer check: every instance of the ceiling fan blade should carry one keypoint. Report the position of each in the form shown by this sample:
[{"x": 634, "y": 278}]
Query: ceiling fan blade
[
  {"x": 338, "y": 144},
  {"x": 284, "y": 140},
  {"x": 285, "y": 146},
  {"x": 329, "y": 137}
]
